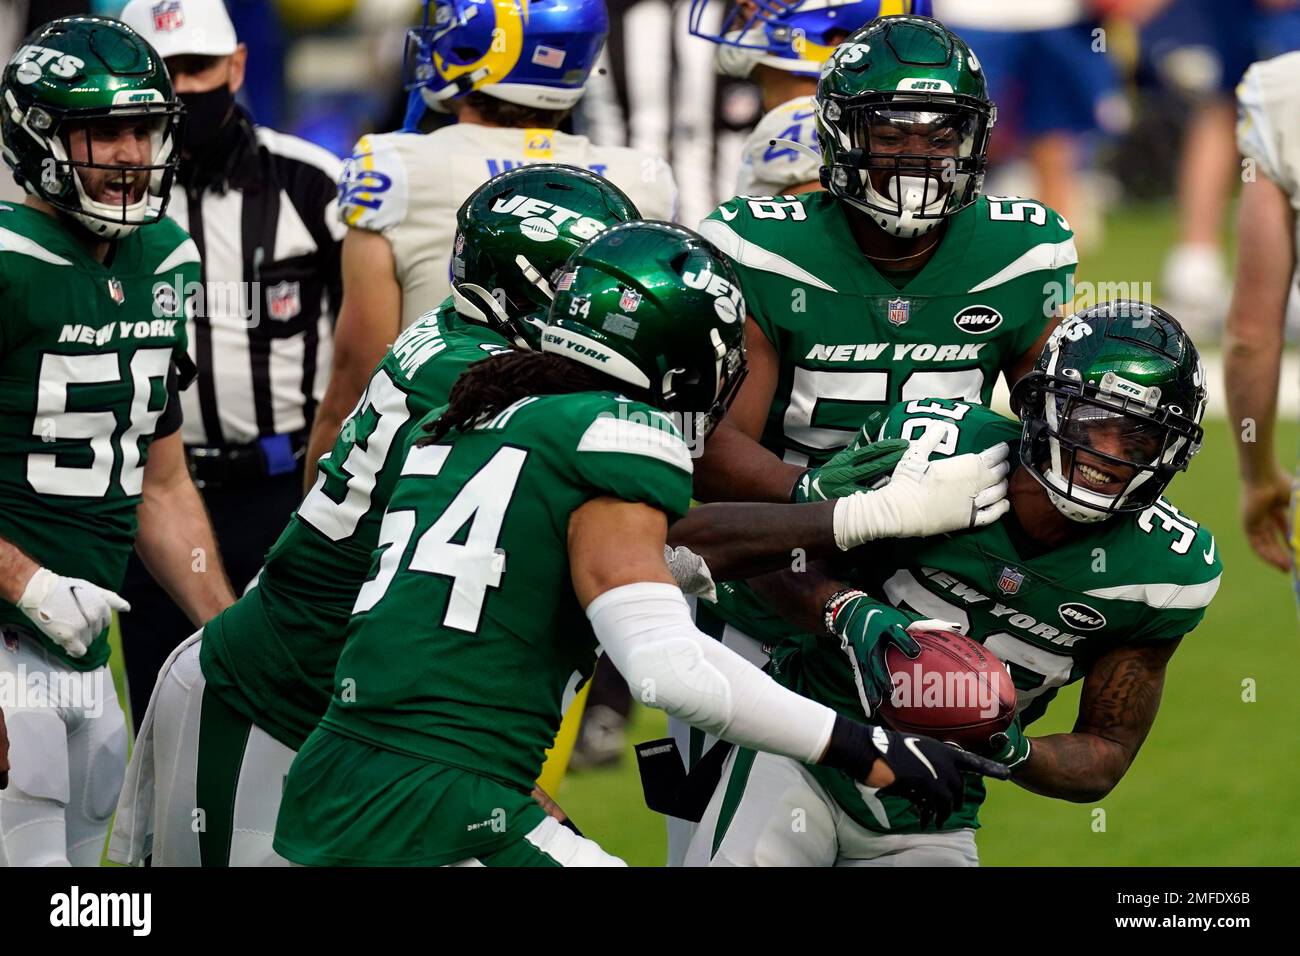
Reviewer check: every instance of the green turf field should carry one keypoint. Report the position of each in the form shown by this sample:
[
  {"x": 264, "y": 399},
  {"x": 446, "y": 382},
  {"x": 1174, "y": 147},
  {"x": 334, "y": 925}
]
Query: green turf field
[{"x": 1214, "y": 784}]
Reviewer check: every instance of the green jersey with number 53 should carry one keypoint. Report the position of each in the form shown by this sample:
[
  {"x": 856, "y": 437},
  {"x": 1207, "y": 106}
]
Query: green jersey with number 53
[
  {"x": 1141, "y": 576},
  {"x": 271, "y": 655},
  {"x": 85, "y": 353},
  {"x": 468, "y": 637},
  {"x": 850, "y": 341}
]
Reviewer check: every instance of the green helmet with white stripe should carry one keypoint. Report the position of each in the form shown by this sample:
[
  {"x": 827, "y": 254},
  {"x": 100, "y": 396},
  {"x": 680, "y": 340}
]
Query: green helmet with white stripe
[
  {"x": 659, "y": 308},
  {"x": 515, "y": 231},
  {"x": 903, "y": 117},
  {"x": 73, "y": 73},
  {"x": 1112, "y": 410}
]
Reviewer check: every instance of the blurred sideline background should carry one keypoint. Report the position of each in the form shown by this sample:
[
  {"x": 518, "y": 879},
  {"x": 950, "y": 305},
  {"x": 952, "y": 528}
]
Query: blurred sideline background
[{"x": 1214, "y": 783}]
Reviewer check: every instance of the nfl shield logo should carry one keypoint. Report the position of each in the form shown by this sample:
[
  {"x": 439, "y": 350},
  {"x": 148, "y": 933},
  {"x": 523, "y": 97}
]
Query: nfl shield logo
[
  {"x": 167, "y": 16},
  {"x": 115, "y": 291},
  {"x": 460, "y": 244},
  {"x": 1010, "y": 581},
  {"x": 630, "y": 300},
  {"x": 899, "y": 311},
  {"x": 282, "y": 301}
]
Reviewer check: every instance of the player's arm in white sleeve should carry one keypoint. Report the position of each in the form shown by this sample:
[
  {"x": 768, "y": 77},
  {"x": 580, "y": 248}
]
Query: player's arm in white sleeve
[
  {"x": 1253, "y": 335},
  {"x": 644, "y": 625}
]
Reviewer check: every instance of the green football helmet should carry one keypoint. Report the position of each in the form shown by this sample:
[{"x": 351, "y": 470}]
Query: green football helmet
[
  {"x": 658, "y": 308},
  {"x": 1112, "y": 410},
  {"x": 515, "y": 231},
  {"x": 75, "y": 71},
  {"x": 903, "y": 118}
]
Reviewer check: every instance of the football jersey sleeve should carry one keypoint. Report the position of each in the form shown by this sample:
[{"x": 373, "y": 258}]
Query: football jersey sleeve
[
  {"x": 631, "y": 451},
  {"x": 1177, "y": 577},
  {"x": 1265, "y": 108},
  {"x": 767, "y": 168},
  {"x": 1050, "y": 250},
  {"x": 374, "y": 188}
]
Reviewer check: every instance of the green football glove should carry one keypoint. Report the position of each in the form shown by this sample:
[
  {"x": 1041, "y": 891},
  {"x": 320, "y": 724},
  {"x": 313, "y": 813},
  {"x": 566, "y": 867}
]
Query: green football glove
[
  {"x": 1011, "y": 749},
  {"x": 866, "y": 629},
  {"x": 858, "y": 467}
]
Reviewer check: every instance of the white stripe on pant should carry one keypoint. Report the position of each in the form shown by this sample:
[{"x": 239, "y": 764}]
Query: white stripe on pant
[{"x": 157, "y": 812}]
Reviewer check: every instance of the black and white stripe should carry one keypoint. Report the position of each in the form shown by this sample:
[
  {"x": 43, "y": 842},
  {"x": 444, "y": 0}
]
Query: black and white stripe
[{"x": 267, "y": 224}]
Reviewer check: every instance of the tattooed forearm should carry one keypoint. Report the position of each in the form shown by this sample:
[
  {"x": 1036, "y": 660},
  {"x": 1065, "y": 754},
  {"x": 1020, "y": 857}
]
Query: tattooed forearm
[
  {"x": 1121, "y": 695},
  {"x": 1078, "y": 767}
]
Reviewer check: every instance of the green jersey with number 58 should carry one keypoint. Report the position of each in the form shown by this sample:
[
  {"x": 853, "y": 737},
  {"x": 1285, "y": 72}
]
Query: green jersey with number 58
[
  {"x": 1139, "y": 576},
  {"x": 468, "y": 634},
  {"x": 849, "y": 341},
  {"x": 271, "y": 655},
  {"x": 85, "y": 352}
]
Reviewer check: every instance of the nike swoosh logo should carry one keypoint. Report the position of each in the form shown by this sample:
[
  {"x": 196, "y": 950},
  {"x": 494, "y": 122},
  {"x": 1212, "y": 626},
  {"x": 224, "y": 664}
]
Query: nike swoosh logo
[
  {"x": 911, "y": 745},
  {"x": 728, "y": 215},
  {"x": 1209, "y": 555}
]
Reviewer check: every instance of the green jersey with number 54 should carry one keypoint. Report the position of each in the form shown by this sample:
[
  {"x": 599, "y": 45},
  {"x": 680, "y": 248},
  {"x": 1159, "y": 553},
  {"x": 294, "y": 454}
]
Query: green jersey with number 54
[
  {"x": 468, "y": 637},
  {"x": 1140, "y": 576},
  {"x": 849, "y": 341},
  {"x": 85, "y": 353},
  {"x": 271, "y": 655}
]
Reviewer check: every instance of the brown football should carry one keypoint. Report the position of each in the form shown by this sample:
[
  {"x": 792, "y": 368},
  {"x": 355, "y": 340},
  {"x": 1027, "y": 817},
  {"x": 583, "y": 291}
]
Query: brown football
[{"x": 955, "y": 690}]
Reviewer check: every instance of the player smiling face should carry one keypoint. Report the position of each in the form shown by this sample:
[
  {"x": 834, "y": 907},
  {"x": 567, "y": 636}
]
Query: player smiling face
[
  {"x": 1109, "y": 450},
  {"x": 110, "y": 156}
]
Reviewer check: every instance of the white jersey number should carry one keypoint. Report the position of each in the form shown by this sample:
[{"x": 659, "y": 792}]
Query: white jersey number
[
  {"x": 55, "y": 422},
  {"x": 365, "y": 460},
  {"x": 477, "y": 565}
]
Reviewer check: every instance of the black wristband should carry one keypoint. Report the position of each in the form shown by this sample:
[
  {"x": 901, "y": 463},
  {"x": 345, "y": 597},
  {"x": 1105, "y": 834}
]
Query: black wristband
[
  {"x": 794, "y": 489},
  {"x": 851, "y": 749}
]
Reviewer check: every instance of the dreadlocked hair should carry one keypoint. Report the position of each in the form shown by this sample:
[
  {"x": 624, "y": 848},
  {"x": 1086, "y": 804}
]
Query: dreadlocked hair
[{"x": 496, "y": 383}]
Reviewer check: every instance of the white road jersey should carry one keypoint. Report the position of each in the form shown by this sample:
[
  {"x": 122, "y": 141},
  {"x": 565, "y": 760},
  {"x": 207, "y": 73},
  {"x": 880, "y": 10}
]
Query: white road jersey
[
  {"x": 408, "y": 187},
  {"x": 1268, "y": 124},
  {"x": 771, "y": 170}
]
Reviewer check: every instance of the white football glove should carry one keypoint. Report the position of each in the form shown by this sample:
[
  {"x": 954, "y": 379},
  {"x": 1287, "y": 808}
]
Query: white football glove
[
  {"x": 691, "y": 573},
  {"x": 70, "y": 611},
  {"x": 926, "y": 497}
]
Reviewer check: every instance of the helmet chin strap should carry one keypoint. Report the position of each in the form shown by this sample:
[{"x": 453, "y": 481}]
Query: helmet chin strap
[{"x": 479, "y": 305}]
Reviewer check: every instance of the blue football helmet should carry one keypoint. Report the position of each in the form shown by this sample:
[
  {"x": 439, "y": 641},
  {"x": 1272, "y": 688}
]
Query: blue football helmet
[
  {"x": 535, "y": 53},
  {"x": 797, "y": 36}
]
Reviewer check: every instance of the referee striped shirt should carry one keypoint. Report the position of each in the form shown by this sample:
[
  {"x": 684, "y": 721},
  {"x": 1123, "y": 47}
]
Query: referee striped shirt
[{"x": 263, "y": 214}]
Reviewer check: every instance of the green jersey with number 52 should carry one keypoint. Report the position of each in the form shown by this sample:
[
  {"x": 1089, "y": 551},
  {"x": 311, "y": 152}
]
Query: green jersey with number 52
[
  {"x": 468, "y": 637},
  {"x": 1146, "y": 576},
  {"x": 85, "y": 352},
  {"x": 271, "y": 655},
  {"x": 849, "y": 341}
]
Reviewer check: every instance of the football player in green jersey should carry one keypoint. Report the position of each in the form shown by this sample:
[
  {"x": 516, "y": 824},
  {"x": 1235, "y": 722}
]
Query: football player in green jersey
[
  {"x": 900, "y": 281},
  {"x": 92, "y": 330},
  {"x": 254, "y": 682},
  {"x": 1091, "y": 576},
  {"x": 526, "y": 532}
]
